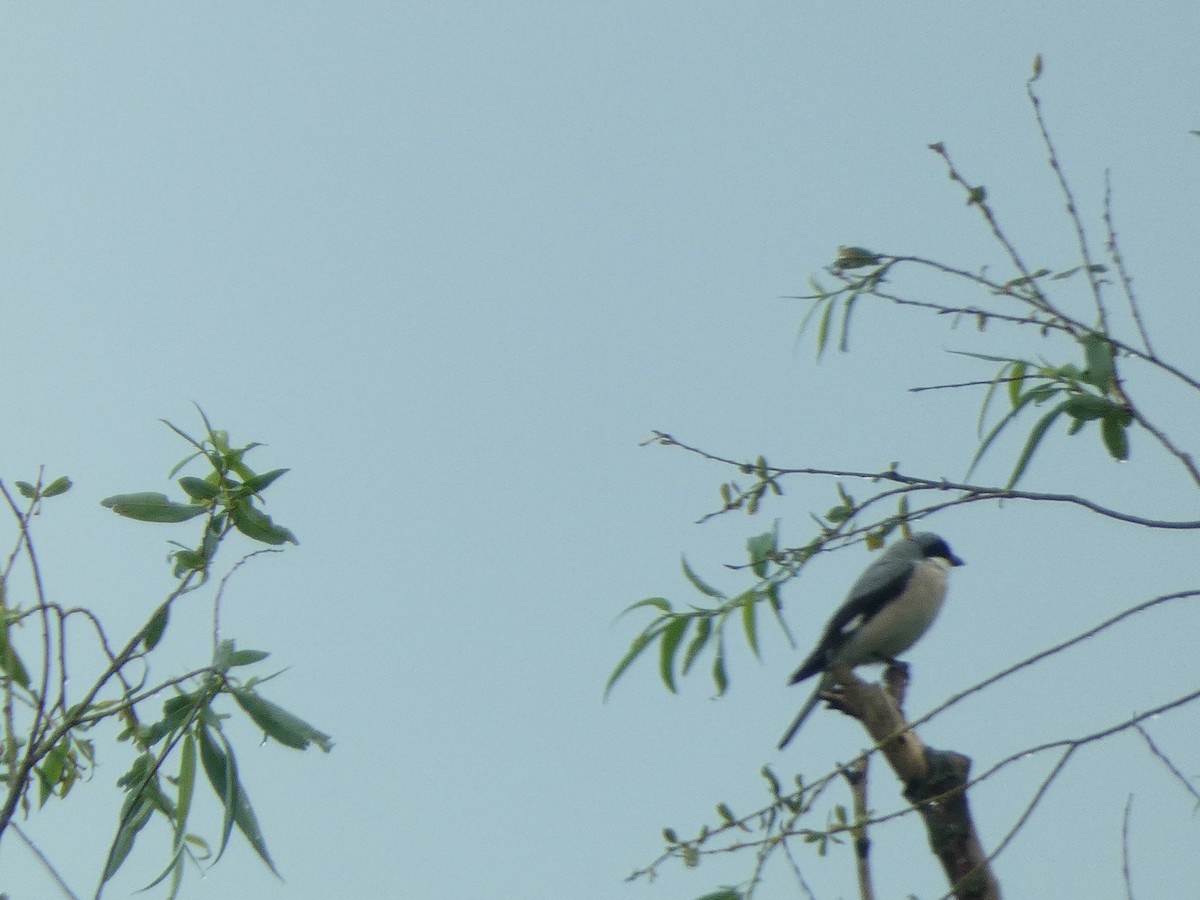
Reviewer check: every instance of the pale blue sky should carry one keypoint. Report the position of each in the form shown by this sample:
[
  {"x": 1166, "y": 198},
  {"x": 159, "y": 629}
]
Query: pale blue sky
[{"x": 452, "y": 262}]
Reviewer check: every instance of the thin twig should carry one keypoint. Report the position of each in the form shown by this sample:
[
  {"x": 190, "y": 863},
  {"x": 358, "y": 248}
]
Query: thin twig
[
  {"x": 216, "y": 628},
  {"x": 977, "y": 492},
  {"x": 787, "y": 852},
  {"x": 975, "y": 198},
  {"x": 1072, "y": 209},
  {"x": 45, "y": 861},
  {"x": 1171, "y": 767},
  {"x": 1114, "y": 253},
  {"x": 1125, "y": 848}
]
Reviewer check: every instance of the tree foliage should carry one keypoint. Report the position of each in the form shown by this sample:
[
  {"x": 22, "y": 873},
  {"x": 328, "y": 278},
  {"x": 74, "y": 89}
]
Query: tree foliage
[
  {"x": 1076, "y": 366},
  {"x": 173, "y": 726}
]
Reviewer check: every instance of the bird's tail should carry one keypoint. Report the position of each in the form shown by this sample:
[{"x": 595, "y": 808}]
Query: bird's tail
[{"x": 823, "y": 684}]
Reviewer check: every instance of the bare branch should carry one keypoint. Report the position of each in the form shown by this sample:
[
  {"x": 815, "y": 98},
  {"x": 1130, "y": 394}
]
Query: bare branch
[
  {"x": 1072, "y": 209},
  {"x": 974, "y": 492},
  {"x": 1171, "y": 767},
  {"x": 1114, "y": 253},
  {"x": 1125, "y": 846},
  {"x": 45, "y": 861}
]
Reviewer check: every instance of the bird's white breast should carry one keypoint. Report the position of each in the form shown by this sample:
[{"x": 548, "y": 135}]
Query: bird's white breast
[{"x": 900, "y": 623}]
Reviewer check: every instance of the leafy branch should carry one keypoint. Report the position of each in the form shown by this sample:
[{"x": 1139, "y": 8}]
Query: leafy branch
[{"x": 45, "y": 747}]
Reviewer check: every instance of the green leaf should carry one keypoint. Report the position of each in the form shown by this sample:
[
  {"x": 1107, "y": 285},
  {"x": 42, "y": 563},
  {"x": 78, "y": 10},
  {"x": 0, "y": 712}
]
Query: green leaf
[
  {"x": 639, "y": 644},
  {"x": 819, "y": 295},
  {"x": 761, "y": 548},
  {"x": 823, "y": 328},
  {"x": 154, "y": 629},
  {"x": 135, "y": 813},
  {"x": 985, "y": 405},
  {"x": 259, "y": 482},
  {"x": 672, "y": 635},
  {"x": 656, "y": 602},
  {"x": 26, "y": 490},
  {"x": 1017, "y": 376},
  {"x": 50, "y": 772},
  {"x": 188, "y": 561},
  {"x": 1116, "y": 439},
  {"x": 697, "y": 583},
  {"x": 258, "y": 526},
  {"x": 699, "y": 639},
  {"x": 151, "y": 507},
  {"x": 1035, "y": 438},
  {"x": 183, "y": 434},
  {"x": 719, "y": 676},
  {"x": 749, "y": 607},
  {"x": 985, "y": 357},
  {"x": 178, "y": 467},
  {"x": 246, "y": 657},
  {"x": 847, "y": 309},
  {"x": 1086, "y": 407},
  {"x": 279, "y": 724},
  {"x": 221, "y": 768},
  {"x": 185, "y": 786},
  {"x": 1033, "y": 395},
  {"x": 216, "y": 767},
  {"x": 839, "y": 514},
  {"x": 57, "y": 486},
  {"x": 199, "y": 489},
  {"x": 10, "y": 662},
  {"x": 854, "y": 258},
  {"x": 1098, "y": 356}
]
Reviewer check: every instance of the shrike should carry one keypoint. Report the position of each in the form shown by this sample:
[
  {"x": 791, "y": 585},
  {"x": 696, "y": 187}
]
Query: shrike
[{"x": 891, "y": 605}]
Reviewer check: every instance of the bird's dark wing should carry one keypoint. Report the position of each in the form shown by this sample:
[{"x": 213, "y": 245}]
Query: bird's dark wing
[{"x": 867, "y": 597}]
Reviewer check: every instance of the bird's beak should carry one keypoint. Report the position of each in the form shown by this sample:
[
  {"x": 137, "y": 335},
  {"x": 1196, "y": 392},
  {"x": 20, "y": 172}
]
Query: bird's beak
[{"x": 956, "y": 561}]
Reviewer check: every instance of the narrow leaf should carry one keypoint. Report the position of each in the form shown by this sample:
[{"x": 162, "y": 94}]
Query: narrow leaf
[
  {"x": 1098, "y": 355},
  {"x": 823, "y": 328},
  {"x": 1035, "y": 395},
  {"x": 1085, "y": 407},
  {"x": 279, "y": 724},
  {"x": 57, "y": 486},
  {"x": 154, "y": 629},
  {"x": 656, "y": 602},
  {"x": 699, "y": 639},
  {"x": 10, "y": 662},
  {"x": 151, "y": 507},
  {"x": 847, "y": 309},
  {"x": 244, "y": 817},
  {"x": 259, "y": 482},
  {"x": 185, "y": 785},
  {"x": 985, "y": 405},
  {"x": 199, "y": 489},
  {"x": 135, "y": 813},
  {"x": 1116, "y": 439},
  {"x": 697, "y": 583},
  {"x": 212, "y": 757},
  {"x": 257, "y": 525},
  {"x": 760, "y": 548},
  {"x": 749, "y": 608},
  {"x": 1035, "y": 438},
  {"x": 671, "y": 637},
  {"x": 720, "y": 679},
  {"x": 635, "y": 649},
  {"x": 1017, "y": 374},
  {"x": 246, "y": 657}
]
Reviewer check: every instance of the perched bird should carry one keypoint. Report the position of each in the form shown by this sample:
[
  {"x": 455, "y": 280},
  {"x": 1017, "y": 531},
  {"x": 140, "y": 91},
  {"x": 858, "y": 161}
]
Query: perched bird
[{"x": 891, "y": 605}]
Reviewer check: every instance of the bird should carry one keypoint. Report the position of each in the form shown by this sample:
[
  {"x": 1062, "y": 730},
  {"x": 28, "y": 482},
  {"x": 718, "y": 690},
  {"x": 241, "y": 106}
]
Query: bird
[{"x": 888, "y": 609}]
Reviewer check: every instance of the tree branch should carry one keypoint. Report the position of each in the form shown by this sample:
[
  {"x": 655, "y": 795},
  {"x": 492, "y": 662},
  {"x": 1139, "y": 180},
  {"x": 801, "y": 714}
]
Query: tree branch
[{"x": 974, "y": 492}]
